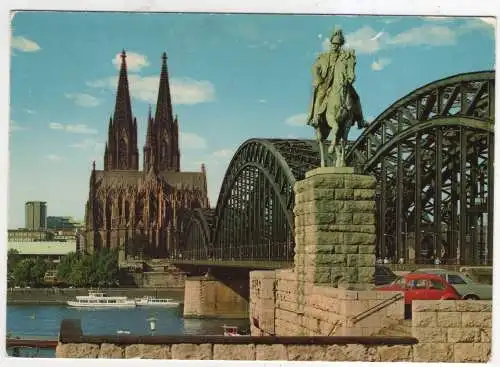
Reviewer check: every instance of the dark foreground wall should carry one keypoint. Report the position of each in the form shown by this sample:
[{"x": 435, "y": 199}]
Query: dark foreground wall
[
  {"x": 61, "y": 295},
  {"x": 73, "y": 344}
]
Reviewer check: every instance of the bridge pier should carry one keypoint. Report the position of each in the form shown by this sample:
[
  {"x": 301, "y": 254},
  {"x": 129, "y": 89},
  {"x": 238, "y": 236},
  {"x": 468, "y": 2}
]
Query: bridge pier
[{"x": 207, "y": 296}]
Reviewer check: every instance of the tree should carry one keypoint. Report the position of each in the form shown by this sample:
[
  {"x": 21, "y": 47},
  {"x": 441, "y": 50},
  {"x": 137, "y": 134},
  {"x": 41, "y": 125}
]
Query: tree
[
  {"x": 98, "y": 269},
  {"x": 30, "y": 272},
  {"x": 13, "y": 258},
  {"x": 37, "y": 272},
  {"x": 22, "y": 272},
  {"x": 66, "y": 266}
]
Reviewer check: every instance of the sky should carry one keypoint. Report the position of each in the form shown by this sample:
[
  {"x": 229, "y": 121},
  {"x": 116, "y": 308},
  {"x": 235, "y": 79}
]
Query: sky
[{"x": 233, "y": 77}]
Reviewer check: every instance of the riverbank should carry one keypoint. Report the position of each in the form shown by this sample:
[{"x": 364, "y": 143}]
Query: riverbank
[{"x": 54, "y": 296}]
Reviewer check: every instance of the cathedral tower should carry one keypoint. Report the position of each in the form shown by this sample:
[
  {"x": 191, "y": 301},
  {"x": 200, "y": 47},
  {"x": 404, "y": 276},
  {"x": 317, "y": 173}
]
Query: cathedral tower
[
  {"x": 121, "y": 151},
  {"x": 162, "y": 138}
]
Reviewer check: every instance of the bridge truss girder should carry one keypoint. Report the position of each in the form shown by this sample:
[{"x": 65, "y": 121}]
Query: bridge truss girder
[{"x": 447, "y": 126}]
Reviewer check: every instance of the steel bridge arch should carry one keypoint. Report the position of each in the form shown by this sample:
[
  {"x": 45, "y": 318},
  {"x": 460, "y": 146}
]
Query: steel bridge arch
[
  {"x": 253, "y": 218},
  {"x": 254, "y": 212},
  {"x": 196, "y": 228},
  {"x": 447, "y": 126}
]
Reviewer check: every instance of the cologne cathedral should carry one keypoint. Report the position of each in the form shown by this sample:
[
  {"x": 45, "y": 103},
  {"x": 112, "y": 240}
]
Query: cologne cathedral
[{"x": 140, "y": 212}]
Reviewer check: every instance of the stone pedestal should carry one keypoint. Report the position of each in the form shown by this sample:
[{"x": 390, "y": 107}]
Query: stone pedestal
[{"x": 335, "y": 228}]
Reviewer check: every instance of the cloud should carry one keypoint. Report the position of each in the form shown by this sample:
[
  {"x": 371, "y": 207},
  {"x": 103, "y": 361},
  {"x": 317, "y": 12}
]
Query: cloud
[
  {"x": 297, "y": 120},
  {"x": 223, "y": 153},
  {"x": 56, "y": 126},
  {"x": 14, "y": 126},
  {"x": 390, "y": 20},
  {"x": 379, "y": 64},
  {"x": 29, "y": 112},
  {"x": 189, "y": 91},
  {"x": 438, "y": 18},
  {"x": 433, "y": 35},
  {"x": 83, "y": 99},
  {"x": 262, "y": 101},
  {"x": 73, "y": 129},
  {"x": 484, "y": 24},
  {"x": 193, "y": 141},
  {"x": 491, "y": 21},
  {"x": 135, "y": 61},
  {"x": 271, "y": 46},
  {"x": 325, "y": 44},
  {"x": 366, "y": 40},
  {"x": 185, "y": 91},
  {"x": 87, "y": 144},
  {"x": 216, "y": 164},
  {"x": 53, "y": 157},
  {"x": 24, "y": 44}
]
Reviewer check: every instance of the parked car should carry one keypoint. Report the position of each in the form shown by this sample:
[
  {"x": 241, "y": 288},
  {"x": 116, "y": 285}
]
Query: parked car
[
  {"x": 384, "y": 275},
  {"x": 422, "y": 286},
  {"x": 465, "y": 286}
]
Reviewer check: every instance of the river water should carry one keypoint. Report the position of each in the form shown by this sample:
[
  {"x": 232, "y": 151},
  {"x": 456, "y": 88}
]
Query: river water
[{"x": 45, "y": 320}]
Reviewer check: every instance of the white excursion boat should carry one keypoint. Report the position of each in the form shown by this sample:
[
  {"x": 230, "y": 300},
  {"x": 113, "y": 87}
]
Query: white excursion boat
[
  {"x": 99, "y": 299},
  {"x": 158, "y": 302}
]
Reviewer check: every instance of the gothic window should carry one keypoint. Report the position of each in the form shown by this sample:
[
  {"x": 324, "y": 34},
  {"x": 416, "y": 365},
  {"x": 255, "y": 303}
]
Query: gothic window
[
  {"x": 123, "y": 156},
  {"x": 108, "y": 215},
  {"x": 127, "y": 211},
  {"x": 163, "y": 151},
  {"x": 120, "y": 206}
]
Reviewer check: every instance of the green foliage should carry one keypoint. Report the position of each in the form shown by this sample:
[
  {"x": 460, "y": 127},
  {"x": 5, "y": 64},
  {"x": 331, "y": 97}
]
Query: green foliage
[
  {"x": 13, "y": 259},
  {"x": 29, "y": 272},
  {"x": 95, "y": 270}
]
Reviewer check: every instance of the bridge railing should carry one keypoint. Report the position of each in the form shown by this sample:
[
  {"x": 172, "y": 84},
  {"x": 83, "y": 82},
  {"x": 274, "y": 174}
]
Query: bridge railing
[{"x": 263, "y": 252}]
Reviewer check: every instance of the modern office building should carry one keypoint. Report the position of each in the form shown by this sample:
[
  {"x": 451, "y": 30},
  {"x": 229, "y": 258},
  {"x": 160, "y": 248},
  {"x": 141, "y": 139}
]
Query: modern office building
[
  {"x": 63, "y": 223},
  {"x": 36, "y": 215}
]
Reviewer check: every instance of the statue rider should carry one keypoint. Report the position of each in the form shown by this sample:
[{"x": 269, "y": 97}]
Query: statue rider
[{"x": 323, "y": 71}]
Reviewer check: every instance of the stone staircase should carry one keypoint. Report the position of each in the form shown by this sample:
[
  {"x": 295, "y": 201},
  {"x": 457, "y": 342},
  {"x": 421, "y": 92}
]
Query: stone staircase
[{"x": 401, "y": 328}]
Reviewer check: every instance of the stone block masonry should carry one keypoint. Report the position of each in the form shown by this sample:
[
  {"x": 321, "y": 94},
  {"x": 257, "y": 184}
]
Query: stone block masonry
[
  {"x": 229, "y": 348},
  {"x": 454, "y": 331},
  {"x": 335, "y": 229},
  {"x": 207, "y": 297},
  {"x": 248, "y": 352}
]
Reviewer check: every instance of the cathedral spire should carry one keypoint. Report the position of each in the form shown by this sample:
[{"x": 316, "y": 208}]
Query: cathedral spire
[
  {"x": 164, "y": 104},
  {"x": 123, "y": 109},
  {"x": 149, "y": 132},
  {"x": 122, "y": 131},
  {"x": 148, "y": 145}
]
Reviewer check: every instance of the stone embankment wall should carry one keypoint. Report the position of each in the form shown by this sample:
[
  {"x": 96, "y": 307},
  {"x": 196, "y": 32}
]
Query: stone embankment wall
[
  {"x": 61, "y": 295},
  {"x": 452, "y": 331},
  {"x": 248, "y": 352}
]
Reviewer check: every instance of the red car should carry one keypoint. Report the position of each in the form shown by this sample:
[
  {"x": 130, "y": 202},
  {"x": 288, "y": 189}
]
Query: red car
[{"x": 422, "y": 287}]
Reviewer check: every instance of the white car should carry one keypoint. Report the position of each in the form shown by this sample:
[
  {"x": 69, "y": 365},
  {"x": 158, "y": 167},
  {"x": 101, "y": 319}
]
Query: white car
[{"x": 465, "y": 286}]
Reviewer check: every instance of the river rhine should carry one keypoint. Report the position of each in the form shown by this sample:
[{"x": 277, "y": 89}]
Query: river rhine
[{"x": 45, "y": 320}]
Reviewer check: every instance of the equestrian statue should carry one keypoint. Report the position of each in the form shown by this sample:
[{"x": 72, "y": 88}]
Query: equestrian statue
[{"x": 335, "y": 104}]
